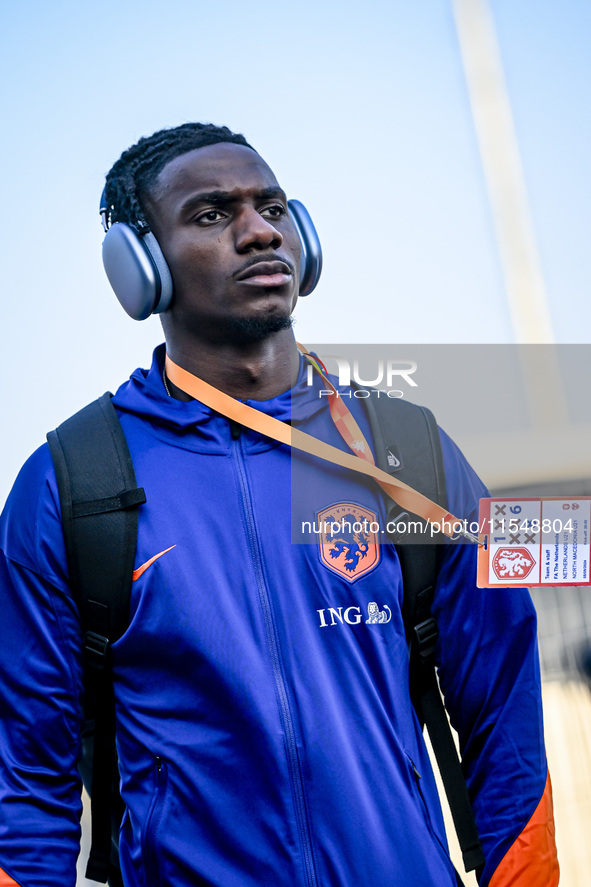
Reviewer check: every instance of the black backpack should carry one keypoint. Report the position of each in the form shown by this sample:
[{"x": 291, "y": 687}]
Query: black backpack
[{"x": 99, "y": 500}]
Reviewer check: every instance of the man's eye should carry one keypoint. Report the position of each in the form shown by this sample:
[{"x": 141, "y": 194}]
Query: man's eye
[
  {"x": 209, "y": 217},
  {"x": 275, "y": 211}
]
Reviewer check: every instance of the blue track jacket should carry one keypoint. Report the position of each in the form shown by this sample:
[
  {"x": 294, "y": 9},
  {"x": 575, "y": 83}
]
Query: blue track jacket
[{"x": 264, "y": 727}]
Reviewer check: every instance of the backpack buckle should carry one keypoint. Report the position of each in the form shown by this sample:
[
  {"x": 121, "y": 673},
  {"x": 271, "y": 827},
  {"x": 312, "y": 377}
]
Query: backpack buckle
[
  {"x": 426, "y": 634},
  {"x": 96, "y": 649}
]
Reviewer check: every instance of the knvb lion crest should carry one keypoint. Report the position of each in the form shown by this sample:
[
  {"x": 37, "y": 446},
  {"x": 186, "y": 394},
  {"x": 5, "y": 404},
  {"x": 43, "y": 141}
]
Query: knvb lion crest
[
  {"x": 348, "y": 540},
  {"x": 513, "y": 563}
]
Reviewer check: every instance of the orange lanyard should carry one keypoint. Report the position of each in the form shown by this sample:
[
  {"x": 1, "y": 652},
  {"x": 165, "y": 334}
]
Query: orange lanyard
[
  {"x": 362, "y": 462},
  {"x": 340, "y": 413}
]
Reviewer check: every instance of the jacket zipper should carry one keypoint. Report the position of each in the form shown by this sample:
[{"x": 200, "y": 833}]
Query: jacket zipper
[
  {"x": 284, "y": 707},
  {"x": 154, "y": 819}
]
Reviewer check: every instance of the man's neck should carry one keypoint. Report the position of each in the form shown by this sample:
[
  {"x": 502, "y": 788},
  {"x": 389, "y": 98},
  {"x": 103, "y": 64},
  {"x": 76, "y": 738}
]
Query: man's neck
[{"x": 253, "y": 371}]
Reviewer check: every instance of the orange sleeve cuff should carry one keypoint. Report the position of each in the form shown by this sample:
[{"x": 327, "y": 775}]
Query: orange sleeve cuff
[
  {"x": 6, "y": 880},
  {"x": 531, "y": 861}
]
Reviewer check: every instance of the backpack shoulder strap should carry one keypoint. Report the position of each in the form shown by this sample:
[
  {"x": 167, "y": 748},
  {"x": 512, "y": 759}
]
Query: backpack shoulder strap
[
  {"x": 407, "y": 443},
  {"x": 99, "y": 500}
]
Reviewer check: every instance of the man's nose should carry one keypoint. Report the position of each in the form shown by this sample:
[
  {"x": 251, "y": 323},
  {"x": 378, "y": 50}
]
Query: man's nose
[{"x": 254, "y": 231}]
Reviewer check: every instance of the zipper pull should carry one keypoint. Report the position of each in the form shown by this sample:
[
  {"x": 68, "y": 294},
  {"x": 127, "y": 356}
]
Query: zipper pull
[{"x": 235, "y": 429}]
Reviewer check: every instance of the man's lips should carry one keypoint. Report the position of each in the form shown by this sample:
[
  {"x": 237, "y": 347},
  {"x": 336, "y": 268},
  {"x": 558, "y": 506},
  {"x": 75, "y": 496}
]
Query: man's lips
[{"x": 265, "y": 274}]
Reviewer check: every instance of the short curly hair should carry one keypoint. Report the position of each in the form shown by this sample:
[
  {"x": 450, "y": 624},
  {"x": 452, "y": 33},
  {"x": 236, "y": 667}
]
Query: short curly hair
[{"x": 136, "y": 171}]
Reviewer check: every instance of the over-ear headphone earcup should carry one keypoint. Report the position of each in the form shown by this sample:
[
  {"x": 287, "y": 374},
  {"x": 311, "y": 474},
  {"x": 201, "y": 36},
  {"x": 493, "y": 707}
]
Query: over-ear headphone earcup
[
  {"x": 311, "y": 260},
  {"x": 137, "y": 271},
  {"x": 157, "y": 255}
]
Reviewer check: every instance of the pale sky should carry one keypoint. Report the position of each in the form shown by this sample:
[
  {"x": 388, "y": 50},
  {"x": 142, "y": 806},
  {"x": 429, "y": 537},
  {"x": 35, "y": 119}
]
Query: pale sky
[{"x": 362, "y": 111}]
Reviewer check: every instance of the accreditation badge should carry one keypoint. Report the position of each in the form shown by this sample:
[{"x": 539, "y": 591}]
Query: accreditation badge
[{"x": 534, "y": 541}]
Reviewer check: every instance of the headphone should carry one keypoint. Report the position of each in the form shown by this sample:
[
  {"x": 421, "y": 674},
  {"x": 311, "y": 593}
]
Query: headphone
[{"x": 142, "y": 281}]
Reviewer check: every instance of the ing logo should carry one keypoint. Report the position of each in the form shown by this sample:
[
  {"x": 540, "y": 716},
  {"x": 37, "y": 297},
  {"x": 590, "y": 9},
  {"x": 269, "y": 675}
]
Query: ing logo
[
  {"x": 354, "y": 615},
  {"x": 348, "y": 540}
]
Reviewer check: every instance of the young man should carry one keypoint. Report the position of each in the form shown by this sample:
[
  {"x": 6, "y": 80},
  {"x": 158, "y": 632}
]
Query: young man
[{"x": 260, "y": 740}]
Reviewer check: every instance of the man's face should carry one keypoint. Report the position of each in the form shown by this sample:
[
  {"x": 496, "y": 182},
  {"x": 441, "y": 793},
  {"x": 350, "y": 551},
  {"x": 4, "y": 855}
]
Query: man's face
[{"x": 233, "y": 252}]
